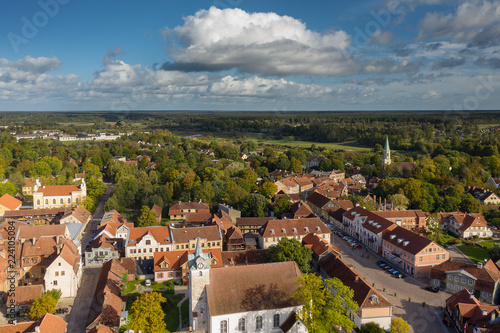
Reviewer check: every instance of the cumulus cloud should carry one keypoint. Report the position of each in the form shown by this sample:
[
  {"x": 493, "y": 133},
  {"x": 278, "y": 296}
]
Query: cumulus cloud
[
  {"x": 112, "y": 53},
  {"x": 474, "y": 22},
  {"x": 448, "y": 63},
  {"x": 263, "y": 43}
]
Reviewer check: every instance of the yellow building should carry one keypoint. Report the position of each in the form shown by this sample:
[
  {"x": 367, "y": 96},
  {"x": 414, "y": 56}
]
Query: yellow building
[{"x": 58, "y": 195}]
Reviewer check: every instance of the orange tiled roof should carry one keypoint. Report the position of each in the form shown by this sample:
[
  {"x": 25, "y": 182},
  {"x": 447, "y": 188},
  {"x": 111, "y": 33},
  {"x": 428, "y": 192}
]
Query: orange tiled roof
[
  {"x": 160, "y": 233},
  {"x": 57, "y": 190},
  {"x": 295, "y": 227},
  {"x": 10, "y": 202},
  {"x": 52, "y": 324},
  {"x": 25, "y": 295},
  {"x": 184, "y": 235}
]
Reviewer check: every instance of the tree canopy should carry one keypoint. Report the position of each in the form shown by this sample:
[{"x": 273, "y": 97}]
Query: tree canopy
[
  {"x": 147, "y": 313},
  {"x": 146, "y": 218},
  {"x": 291, "y": 250},
  {"x": 399, "y": 325},
  {"x": 45, "y": 303}
]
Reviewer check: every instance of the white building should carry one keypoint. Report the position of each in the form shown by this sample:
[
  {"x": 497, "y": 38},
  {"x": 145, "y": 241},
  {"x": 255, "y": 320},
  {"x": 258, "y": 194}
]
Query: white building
[
  {"x": 55, "y": 196},
  {"x": 253, "y": 298},
  {"x": 143, "y": 242},
  {"x": 65, "y": 272}
]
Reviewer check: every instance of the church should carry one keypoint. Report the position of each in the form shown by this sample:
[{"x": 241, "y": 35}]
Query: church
[
  {"x": 248, "y": 298},
  {"x": 56, "y": 196},
  {"x": 386, "y": 159}
]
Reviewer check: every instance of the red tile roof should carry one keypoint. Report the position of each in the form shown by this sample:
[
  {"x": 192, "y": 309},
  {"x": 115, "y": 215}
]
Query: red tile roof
[
  {"x": 252, "y": 288},
  {"x": 160, "y": 233},
  {"x": 295, "y": 227},
  {"x": 23, "y": 327},
  {"x": 24, "y": 295},
  {"x": 29, "y": 232},
  {"x": 318, "y": 244},
  {"x": 52, "y": 324},
  {"x": 248, "y": 257},
  {"x": 10, "y": 202},
  {"x": 57, "y": 190},
  {"x": 175, "y": 259},
  {"x": 184, "y": 235},
  {"x": 175, "y": 209},
  {"x": 79, "y": 213},
  {"x": 253, "y": 221},
  {"x": 408, "y": 240}
]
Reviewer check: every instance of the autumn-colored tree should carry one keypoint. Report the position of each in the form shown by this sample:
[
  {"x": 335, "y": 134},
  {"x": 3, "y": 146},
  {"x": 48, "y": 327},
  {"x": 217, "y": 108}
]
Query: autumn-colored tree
[
  {"x": 399, "y": 325},
  {"x": 282, "y": 205},
  {"x": 146, "y": 218},
  {"x": 45, "y": 303},
  {"x": 147, "y": 313},
  {"x": 268, "y": 189}
]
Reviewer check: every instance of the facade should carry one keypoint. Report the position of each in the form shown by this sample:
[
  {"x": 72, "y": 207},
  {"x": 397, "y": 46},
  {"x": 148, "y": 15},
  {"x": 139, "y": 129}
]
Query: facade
[
  {"x": 8, "y": 203},
  {"x": 408, "y": 219},
  {"x": 373, "y": 307},
  {"x": 287, "y": 185},
  {"x": 179, "y": 210},
  {"x": 186, "y": 238},
  {"x": 58, "y": 195},
  {"x": 466, "y": 225},
  {"x": 481, "y": 280},
  {"x": 214, "y": 309},
  {"x": 321, "y": 248},
  {"x": 252, "y": 224},
  {"x": 319, "y": 204},
  {"x": 65, "y": 272},
  {"x": 102, "y": 249},
  {"x": 234, "y": 239},
  {"x": 271, "y": 233},
  {"x": 143, "y": 242},
  {"x": 412, "y": 253},
  {"x": 27, "y": 189},
  {"x": 76, "y": 215}
]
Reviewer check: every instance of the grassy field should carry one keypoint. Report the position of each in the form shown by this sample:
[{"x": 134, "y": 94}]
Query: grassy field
[
  {"x": 474, "y": 252},
  {"x": 486, "y": 126},
  {"x": 489, "y": 244},
  {"x": 307, "y": 144}
]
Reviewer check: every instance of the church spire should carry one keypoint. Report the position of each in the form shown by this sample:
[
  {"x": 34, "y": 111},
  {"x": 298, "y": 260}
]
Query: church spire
[
  {"x": 386, "y": 158},
  {"x": 198, "y": 252},
  {"x": 386, "y": 147}
]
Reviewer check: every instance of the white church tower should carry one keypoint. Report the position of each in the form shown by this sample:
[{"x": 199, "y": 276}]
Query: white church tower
[
  {"x": 386, "y": 159},
  {"x": 199, "y": 277}
]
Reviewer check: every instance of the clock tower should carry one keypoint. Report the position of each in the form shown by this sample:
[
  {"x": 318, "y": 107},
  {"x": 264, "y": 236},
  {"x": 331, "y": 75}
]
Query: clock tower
[{"x": 199, "y": 276}]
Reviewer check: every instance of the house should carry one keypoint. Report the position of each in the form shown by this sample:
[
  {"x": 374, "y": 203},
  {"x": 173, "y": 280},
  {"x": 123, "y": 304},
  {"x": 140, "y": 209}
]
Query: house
[
  {"x": 107, "y": 303},
  {"x": 294, "y": 197},
  {"x": 233, "y": 213},
  {"x": 412, "y": 253},
  {"x": 37, "y": 216},
  {"x": 278, "y": 173},
  {"x": 144, "y": 241},
  {"x": 312, "y": 162},
  {"x": 469, "y": 315},
  {"x": 366, "y": 227},
  {"x": 25, "y": 232},
  {"x": 485, "y": 196},
  {"x": 234, "y": 239},
  {"x": 23, "y": 296},
  {"x": 76, "y": 215},
  {"x": 175, "y": 264},
  {"x": 335, "y": 175},
  {"x": 221, "y": 219},
  {"x": 257, "y": 302},
  {"x": 373, "y": 306},
  {"x": 274, "y": 230},
  {"x": 320, "y": 247},
  {"x": 179, "y": 210},
  {"x": 252, "y": 224},
  {"x": 185, "y": 238},
  {"x": 408, "y": 219},
  {"x": 305, "y": 183},
  {"x": 246, "y": 257},
  {"x": 157, "y": 210},
  {"x": 65, "y": 271},
  {"x": 102, "y": 249},
  {"x": 481, "y": 280},
  {"x": 299, "y": 209},
  {"x": 8, "y": 202},
  {"x": 27, "y": 189},
  {"x": 287, "y": 185},
  {"x": 466, "y": 225},
  {"x": 319, "y": 203},
  {"x": 58, "y": 195},
  {"x": 49, "y": 323},
  {"x": 197, "y": 219}
]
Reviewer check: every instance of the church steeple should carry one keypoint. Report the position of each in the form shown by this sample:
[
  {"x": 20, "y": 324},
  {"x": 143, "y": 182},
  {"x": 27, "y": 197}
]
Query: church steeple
[{"x": 386, "y": 159}]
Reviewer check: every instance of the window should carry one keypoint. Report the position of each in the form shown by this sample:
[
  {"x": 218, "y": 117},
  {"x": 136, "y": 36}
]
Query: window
[
  {"x": 484, "y": 294},
  {"x": 471, "y": 282},
  {"x": 450, "y": 277},
  {"x": 76, "y": 200},
  {"x": 62, "y": 273},
  {"x": 276, "y": 320},
  {"x": 160, "y": 275},
  {"x": 53, "y": 201},
  {"x": 463, "y": 280},
  {"x": 148, "y": 242},
  {"x": 258, "y": 323},
  {"x": 436, "y": 282},
  {"x": 449, "y": 285},
  {"x": 241, "y": 325},
  {"x": 223, "y": 326},
  {"x": 437, "y": 257},
  {"x": 456, "y": 287},
  {"x": 38, "y": 202},
  {"x": 61, "y": 201},
  {"x": 35, "y": 260},
  {"x": 69, "y": 201},
  {"x": 46, "y": 201},
  {"x": 57, "y": 273},
  {"x": 443, "y": 256},
  {"x": 420, "y": 259},
  {"x": 456, "y": 278},
  {"x": 55, "y": 282}
]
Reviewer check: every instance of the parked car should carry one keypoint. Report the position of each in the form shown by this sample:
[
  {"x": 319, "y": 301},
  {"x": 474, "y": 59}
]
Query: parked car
[
  {"x": 398, "y": 276},
  {"x": 494, "y": 235},
  {"x": 433, "y": 289},
  {"x": 395, "y": 272},
  {"x": 446, "y": 246},
  {"x": 357, "y": 246},
  {"x": 147, "y": 283},
  {"x": 380, "y": 262}
]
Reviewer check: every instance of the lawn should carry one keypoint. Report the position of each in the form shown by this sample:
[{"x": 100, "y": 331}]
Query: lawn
[
  {"x": 130, "y": 287},
  {"x": 307, "y": 144},
  {"x": 474, "y": 252},
  {"x": 489, "y": 244}
]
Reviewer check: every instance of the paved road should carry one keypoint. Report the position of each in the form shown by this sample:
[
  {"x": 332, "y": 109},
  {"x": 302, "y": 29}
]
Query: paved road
[
  {"x": 78, "y": 315},
  {"x": 407, "y": 295}
]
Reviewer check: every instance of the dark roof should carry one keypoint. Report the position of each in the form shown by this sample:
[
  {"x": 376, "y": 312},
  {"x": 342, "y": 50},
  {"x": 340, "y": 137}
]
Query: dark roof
[
  {"x": 318, "y": 199},
  {"x": 250, "y": 221},
  {"x": 408, "y": 240},
  {"x": 238, "y": 289},
  {"x": 248, "y": 257},
  {"x": 370, "y": 216},
  {"x": 295, "y": 227}
]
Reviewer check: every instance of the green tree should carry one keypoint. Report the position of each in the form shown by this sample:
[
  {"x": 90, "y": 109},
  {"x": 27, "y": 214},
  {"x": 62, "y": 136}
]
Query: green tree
[
  {"x": 7, "y": 187},
  {"x": 41, "y": 169},
  {"x": 295, "y": 165},
  {"x": 268, "y": 189},
  {"x": 372, "y": 327},
  {"x": 282, "y": 205},
  {"x": 291, "y": 250},
  {"x": 254, "y": 205},
  {"x": 494, "y": 252},
  {"x": 147, "y": 313},
  {"x": 41, "y": 305},
  {"x": 470, "y": 205},
  {"x": 399, "y": 325},
  {"x": 146, "y": 218},
  {"x": 400, "y": 201},
  {"x": 327, "y": 304}
]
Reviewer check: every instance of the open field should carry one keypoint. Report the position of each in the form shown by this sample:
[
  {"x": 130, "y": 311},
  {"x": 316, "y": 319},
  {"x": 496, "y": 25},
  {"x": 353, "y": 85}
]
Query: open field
[
  {"x": 475, "y": 253},
  {"x": 307, "y": 144}
]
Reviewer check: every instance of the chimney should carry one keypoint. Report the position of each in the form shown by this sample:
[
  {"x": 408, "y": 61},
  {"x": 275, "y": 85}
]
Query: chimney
[
  {"x": 480, "y": 265},
  {"x": 33, "y": 240}
]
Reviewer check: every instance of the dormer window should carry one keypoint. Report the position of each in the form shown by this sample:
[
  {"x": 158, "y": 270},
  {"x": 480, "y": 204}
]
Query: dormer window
[
  {"x": 317, "y": 228},
  {"x": 283, "y": 230},
  {"x": 393, "y": 236},
  {"x": 294, "y": 229},
  {"x": 272, "y": 231},
  {"x": 306, "y": 229}
]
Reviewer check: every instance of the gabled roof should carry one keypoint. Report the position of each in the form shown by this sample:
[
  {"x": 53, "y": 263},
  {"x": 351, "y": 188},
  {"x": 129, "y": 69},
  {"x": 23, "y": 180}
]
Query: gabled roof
[
  {"x": 52, "y": 324},
  {"x": 300, "y": 209},
  {"x": 408, "y": 240},
  {"x": 247, "y": 257},
  {"x": 58, "y": 190},
  {"x": 79, "y": 213},
  {"x": 160, "y": 233},
  {"x": 344, "y": 204},
  {"x": 473, "y": 220},
  {"x": 234, "y": 234},
  {"x": 364, "y": 294},
  {"x": 237, "y": 289},
  {"x": 198, "y": 217},
  {"x": 251, "y": 221},
  {"x": 176, "y": 259},
  {"x": 24, "y": 295},
  {"x": 104, "y": 241},
  {"x": 318, "y": 244},
  {"x": 392, "y": 214},
  {"x": 289, "y": 322},
  {"x": 157, "y": 210},
  {"x": 70, "y": 254},
  {"x": 378, "y": 225},
  {"x": 10, "y": 202},
  {"x": 295, "y": 227},
  {"x": 29, "y": 232},
  {"x": 188, "y": 205},
  {"x": 318, "y": 199}
]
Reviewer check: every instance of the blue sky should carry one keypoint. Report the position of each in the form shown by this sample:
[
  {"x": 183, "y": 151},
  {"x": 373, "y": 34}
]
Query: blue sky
[{"x": 250, "y": 55}]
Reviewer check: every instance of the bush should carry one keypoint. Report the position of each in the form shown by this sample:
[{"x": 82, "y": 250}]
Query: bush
[{"x": 55, "y": 293}]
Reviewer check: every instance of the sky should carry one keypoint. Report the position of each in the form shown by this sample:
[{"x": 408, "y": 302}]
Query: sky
[{"x": 274, "y": 55}]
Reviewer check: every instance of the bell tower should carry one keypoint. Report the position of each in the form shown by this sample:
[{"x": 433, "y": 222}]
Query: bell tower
[{"x": 199, "y": 276}]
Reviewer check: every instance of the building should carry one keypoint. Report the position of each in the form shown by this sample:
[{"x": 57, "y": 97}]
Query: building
[
  {"x": 234, "y": 239},
  {"x": 179, "y": 210},
  {"x": 37, "y": 216},
  {"x": 494, "y": 181},
  {"x": 321, "y": 248},
  {"x": 23, "y": 297},
  {"x": 412, "y": 253},
  {"x": 481, "y": 280},
  {"x": 287, "y": 185},
  {"x": 466, "y": 225},
  {"x": 157, "y": 210},
  {"x": 49, "y": 323},
  {"x": 25, "y": 232},
  {"x": 319, "y": 204},
  {"x": 8, "y": 202},
  {"x": 246, "y": 257},
  {"x": 185, "y": 238},
  {"x": 102, "y": 249},
  {"x": 252, "y": 224},
  {"x": 469, "y": 315},
  {"x": 386, "y": 157},
  {"x": 271, "y": 233},
  {"x": 373, "y": 307},
  {"x": 251, "y": 298},
  {"x": 76, "y": 215},
  {"x": 51, "y": 196},
  {"x": 65, "y": 271},
  {"x": 485, "y": 196},
  {"x": 299, "y": 209},
  {"x": 408, "y": 219},
  {"x": 143, "y": 242},
  {"x": 27, "y": 189},
  {"x": 313, "y": 162}
]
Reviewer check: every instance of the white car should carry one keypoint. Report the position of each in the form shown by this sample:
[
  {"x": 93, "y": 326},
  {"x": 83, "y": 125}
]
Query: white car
[{"x": 147, "y": 283}]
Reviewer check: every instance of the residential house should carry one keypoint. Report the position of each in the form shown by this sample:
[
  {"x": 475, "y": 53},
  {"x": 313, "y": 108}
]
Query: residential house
[
  {"x": 408, "y": 219},
  {"x": 271, "y": 233},
  {"x": 157, "y": 210},
  {"x": 27, "y": 189},
  {"x": 102, "y": 249},
  {"x": 65, "y": 271},
  {"x": 319, "y": 204},
  {"x": 185, "y": 238},
  {"x": 23, "y": 296},
  {"x": 233, "y": 213},
  {"x": 299, "y": 209},
  {"x": 197, "y": 219},
  {"x": 373, "y": 306},
  {"x": 288, "y": 186},
  {"x": 366, "y": 227},
  {"x": 51, "y": 196},
  {"x": 278, "y": 173},
  {"x": 37, "y": 216},
  {"x": 213, "y": 309},
  {"x": 49, "y": 323},
  {"x": 469, "y": 315},
  {"x": 485, "y": 196},
  {"x": 312, "y": 162},
  {"x": 8, "y": 202},
  {"x": 305, "y": 183},
  {"x": 321, "y": 248},
  {"x": 412, "y": 253},
  {"x": 25, "y": 232},
  {"x": 234, "y": 239},
  {"x": 466, "y": 225},
  {"x": 143, "y": 242},
  {"x": 221, "y": 219},
  {"x": 252, "y": 224},
  {"x": 481, "y": 280},
  {"x": 335, "y": 175},
  {"x": 179, "y": 210},
  {"x": 76, "y": 215}
]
